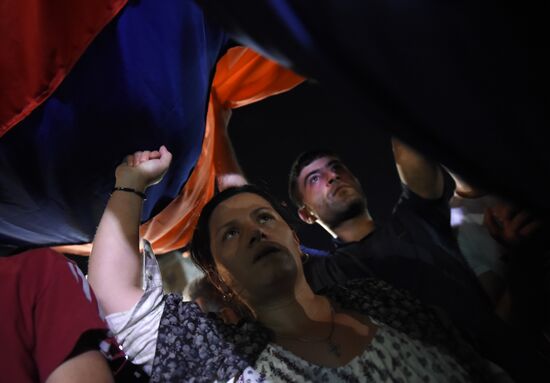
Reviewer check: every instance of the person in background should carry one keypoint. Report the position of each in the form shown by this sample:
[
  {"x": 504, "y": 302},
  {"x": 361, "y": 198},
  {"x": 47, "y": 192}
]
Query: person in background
[
  {"x": 414, "y": 250},
  {"x": 508, "y": 248},
  {"x": 51, "y": 328}
]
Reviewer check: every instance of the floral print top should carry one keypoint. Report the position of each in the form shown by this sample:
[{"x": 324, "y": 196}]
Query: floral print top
[{"x": 413, "y": 342}]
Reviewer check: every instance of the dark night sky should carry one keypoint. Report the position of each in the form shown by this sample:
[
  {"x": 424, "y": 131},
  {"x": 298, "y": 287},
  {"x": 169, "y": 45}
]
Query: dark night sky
[{"x": 268, "y": 136}]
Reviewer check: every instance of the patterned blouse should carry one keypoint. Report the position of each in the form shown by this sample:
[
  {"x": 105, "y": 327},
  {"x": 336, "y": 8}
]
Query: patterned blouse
[
  {"x": 412, "y": 344},
  {"x": 390, "y": 357}
]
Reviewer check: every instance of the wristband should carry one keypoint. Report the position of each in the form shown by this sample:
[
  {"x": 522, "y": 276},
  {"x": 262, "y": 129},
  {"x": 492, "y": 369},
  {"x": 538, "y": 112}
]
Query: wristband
[{"x": 130, "y": 190}]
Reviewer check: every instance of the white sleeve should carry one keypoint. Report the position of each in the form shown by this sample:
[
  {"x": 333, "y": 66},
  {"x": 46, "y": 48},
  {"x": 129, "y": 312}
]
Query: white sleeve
[{"x": 136, "y": 330}]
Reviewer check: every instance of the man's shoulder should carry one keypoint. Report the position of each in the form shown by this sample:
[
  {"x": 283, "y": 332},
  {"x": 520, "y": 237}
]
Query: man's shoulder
[
  {"x": 411, "y": 200},
  {"x": 39, "y": 257},
  {"x": 414, "y": 214},
  {"x": 338, "y": 247},
  {"x": 372, "y": 244},
  {"x": 33, "y": 270}
]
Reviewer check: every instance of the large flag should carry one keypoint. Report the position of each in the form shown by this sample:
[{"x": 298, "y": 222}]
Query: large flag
[
  {"x": 84, "y": 85},
  {"x": 242, "y": 77}
]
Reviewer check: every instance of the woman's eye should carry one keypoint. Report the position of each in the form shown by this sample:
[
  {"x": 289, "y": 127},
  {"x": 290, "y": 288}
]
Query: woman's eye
[
  {"x": 265, "y": 217},
  {"x": 230, "y": 234}
]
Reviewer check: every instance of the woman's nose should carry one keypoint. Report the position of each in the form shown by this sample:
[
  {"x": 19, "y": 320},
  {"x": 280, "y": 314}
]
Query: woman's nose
[{"x": 256, "y": 235}]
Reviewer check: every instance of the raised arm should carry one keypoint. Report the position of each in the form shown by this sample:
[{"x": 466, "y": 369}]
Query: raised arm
[
  {"x": 228, "y": 170},
  {"x": 421, "y": 175},
  {"x": 465, "y": 189},
  {"x": 115, "y": 261}
]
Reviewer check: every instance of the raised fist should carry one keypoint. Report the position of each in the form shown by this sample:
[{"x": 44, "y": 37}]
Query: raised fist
[{"x": 143, "y": 169}]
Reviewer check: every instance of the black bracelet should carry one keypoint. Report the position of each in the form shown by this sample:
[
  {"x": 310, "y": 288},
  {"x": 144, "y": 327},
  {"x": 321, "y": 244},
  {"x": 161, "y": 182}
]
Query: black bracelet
[{"x": 130, "y": 190}]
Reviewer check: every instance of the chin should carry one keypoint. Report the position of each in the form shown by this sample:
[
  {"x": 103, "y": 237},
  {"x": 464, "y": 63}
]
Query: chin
[
  {"x": 277, "y": 277},
  {"x": 351, "y": 209}
]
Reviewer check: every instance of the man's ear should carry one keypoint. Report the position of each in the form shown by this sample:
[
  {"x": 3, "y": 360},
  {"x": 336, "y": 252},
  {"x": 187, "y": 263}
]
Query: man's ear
[{"x": 307, "y": 215}]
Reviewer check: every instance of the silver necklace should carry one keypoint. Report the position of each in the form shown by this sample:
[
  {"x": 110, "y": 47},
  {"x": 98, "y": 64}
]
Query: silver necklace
[{"x": 333, "y": 348}]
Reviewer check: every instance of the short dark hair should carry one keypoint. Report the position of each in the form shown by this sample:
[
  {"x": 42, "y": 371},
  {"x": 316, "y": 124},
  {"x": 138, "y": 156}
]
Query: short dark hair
[
  {"x": 303, "y": 160},
  {"x": 200, "y": 251}
]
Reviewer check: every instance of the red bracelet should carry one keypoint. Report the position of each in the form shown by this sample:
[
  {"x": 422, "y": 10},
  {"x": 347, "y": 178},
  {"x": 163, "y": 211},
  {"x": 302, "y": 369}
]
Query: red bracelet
[{"x": 130, "y": 190}]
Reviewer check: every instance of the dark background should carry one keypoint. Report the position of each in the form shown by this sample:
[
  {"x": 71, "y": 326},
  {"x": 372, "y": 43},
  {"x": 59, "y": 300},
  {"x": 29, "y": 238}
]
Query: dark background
[{"x": 269, "y": 135}]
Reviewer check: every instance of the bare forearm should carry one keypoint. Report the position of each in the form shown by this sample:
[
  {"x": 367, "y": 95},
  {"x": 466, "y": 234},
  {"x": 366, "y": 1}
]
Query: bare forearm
[
  {"x": 228, "y": 170},
  {"x": 464, "y": 189},
  {"x": 422, "y": 176},
  {"x": 115, "y": 262}
]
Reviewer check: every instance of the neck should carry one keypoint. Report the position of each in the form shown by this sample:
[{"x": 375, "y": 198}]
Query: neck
[
  {"x": 293, "y": 315},
  {"x": 353, "y": 229}
]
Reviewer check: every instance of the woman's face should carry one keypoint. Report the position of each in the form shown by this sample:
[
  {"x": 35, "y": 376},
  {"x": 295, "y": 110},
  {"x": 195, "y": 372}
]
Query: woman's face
[{"x": 256, "y": 253}]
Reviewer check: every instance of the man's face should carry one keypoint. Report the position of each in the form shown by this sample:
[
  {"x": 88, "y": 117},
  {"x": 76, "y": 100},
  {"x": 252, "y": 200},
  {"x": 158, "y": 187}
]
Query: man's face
[
  {"x": 255, "y": 251},
  {"x": 330, "y": 191}
]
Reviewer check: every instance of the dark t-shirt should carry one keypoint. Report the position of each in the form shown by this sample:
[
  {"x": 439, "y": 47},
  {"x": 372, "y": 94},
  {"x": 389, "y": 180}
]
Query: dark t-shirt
[{"x": 414, "y": 250}]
